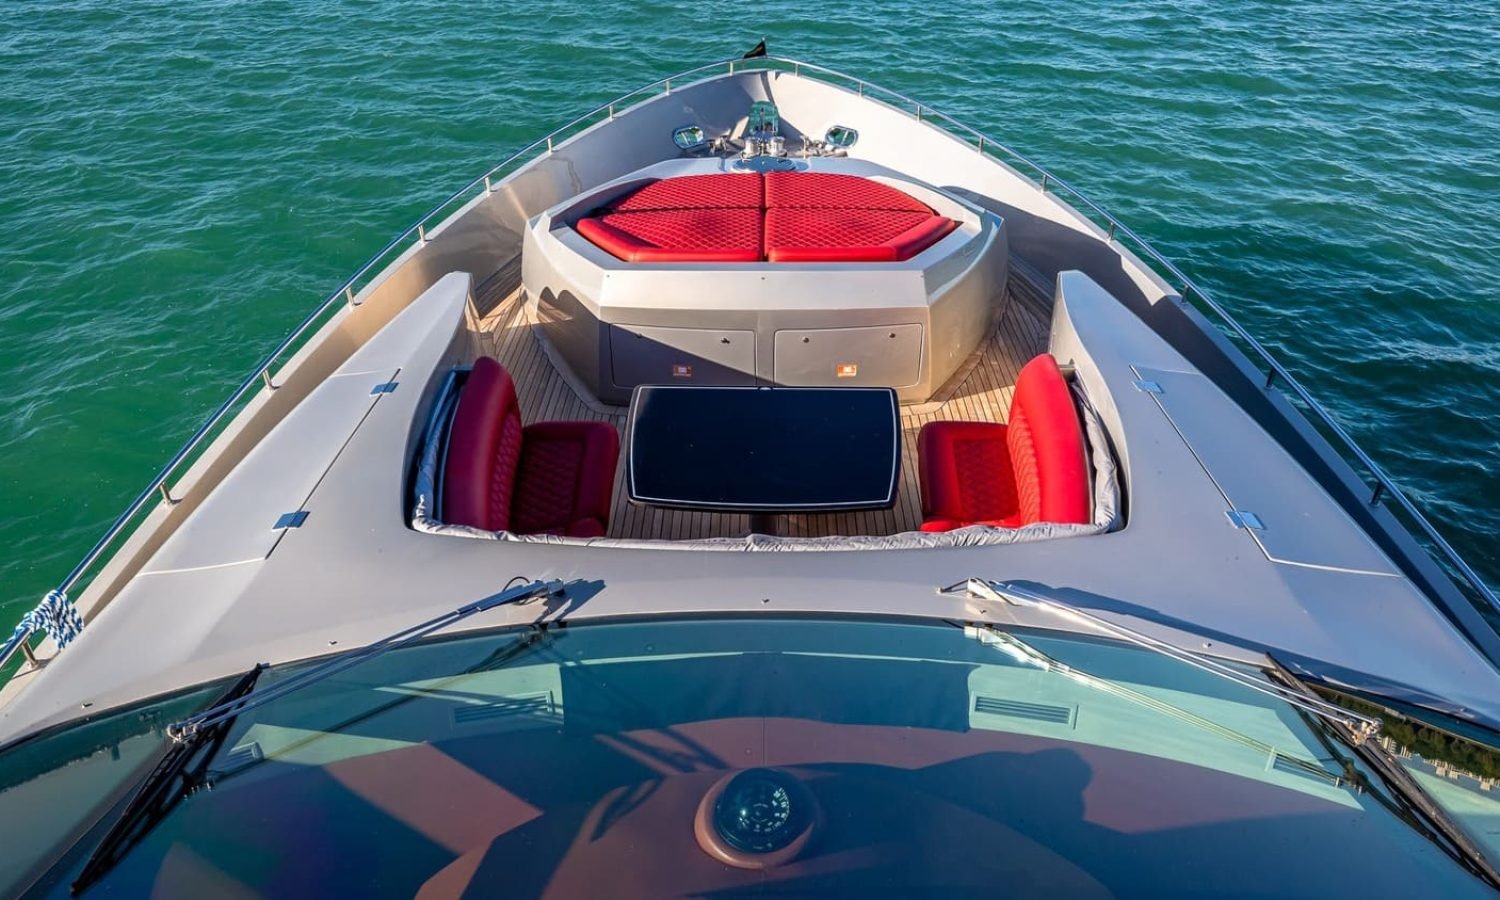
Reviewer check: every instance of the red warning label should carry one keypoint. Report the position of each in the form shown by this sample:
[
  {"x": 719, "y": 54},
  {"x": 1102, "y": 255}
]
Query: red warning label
[
  {"x": 681, "y": 371},
  {"x": 847, "y": 370}
]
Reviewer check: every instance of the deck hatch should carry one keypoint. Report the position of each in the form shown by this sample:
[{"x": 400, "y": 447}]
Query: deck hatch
[
  {"x": 1295, "y": 521},
  {"x": 246, "y": 515}
]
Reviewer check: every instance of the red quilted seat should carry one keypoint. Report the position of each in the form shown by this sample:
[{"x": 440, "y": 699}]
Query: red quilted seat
[
  {"x": 851, "y": 235},
  {"x": 677, "y": 235},
  {"x": 783, "y": 217},
  {"x": 1030, "y": 470},
  {"x": 828, "y": 190},
  {"x": 716, "y": 191},
  {"x": 545, "y": 478}
]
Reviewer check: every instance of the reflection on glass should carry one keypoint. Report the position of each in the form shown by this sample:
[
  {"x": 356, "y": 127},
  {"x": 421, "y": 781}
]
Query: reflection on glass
[
  {"x": 921, "y": 760},
  {"x": 841, "y": 137},
  {"x": 688, "y": 137},
  {"x": 1459, "y": 773},
  {"x": 765, "y": 122}
]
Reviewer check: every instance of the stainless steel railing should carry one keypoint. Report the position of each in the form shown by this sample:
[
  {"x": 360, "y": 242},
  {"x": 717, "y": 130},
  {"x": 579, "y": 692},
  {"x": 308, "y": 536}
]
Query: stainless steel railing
[
  {"x": 1112, "y": 229},
  {"x": 261, "y": 377}
]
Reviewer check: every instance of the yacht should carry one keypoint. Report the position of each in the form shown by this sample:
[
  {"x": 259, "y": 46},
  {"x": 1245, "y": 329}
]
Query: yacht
[{"x": 762, "y": 484}]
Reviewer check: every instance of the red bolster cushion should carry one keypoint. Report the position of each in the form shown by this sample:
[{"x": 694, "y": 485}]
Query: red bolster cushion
[
  {"x": 677, "y": 235},
  {"x": 1046, "y": 447},
  {"x": 484, "y": 449},
  {"x": 921, "y": 236}
]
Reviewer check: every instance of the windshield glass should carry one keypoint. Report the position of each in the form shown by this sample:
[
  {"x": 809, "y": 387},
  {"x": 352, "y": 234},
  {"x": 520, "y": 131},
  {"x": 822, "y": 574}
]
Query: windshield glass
[
  {"x": 801, "y": 756},
  {"x": 1453, "y": 763}
]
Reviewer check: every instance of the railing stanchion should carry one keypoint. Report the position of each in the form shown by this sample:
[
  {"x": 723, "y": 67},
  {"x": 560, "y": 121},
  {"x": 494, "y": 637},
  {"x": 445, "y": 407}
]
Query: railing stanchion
[
  {"x": 422, "y": 232},
  {"x": 1046, "y": 176},
  {"x": 1377, "y": 493},
  {"x": 981, "y": 145},
  {"x": 265, "y": 375},
  {"x": 349, "y": 295},
  {"x": 166, "y": 493}
]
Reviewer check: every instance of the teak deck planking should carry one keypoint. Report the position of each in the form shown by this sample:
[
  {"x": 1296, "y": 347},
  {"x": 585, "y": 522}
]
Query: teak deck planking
[{"x": 981, "y": 392}]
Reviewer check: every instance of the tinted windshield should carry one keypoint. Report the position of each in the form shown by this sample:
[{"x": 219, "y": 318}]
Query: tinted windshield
[{"x": 695, "y": 757}]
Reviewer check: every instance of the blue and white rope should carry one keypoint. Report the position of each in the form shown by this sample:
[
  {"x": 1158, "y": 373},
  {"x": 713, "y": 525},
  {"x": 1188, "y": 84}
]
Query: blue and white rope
[{"x": 54, "y": 615}]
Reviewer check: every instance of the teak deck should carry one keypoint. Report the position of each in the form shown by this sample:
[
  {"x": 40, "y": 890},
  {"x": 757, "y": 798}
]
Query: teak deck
[{"x": 980, "y": 391}]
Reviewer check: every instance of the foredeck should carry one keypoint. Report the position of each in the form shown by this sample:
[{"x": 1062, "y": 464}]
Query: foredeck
[{"x": 981, "y": 391}]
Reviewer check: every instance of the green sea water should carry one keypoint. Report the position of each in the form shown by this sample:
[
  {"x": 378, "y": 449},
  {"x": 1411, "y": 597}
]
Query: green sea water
[{"x": 181, "y": 182}]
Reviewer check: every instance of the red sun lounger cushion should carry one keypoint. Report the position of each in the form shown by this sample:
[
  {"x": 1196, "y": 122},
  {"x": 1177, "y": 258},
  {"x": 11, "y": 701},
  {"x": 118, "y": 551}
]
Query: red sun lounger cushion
[
  {"x": 1031, "y": 470},
  {"x": 809, "y": 217},
  {"x": 717, "y": 191},
  {"x": 827, "y": 190},
  {"x": 850, "y": 235},
  {"x": 566, "y": 478},
  {"x": 546, "y": 478},
  {"x": 484, "y": 450},
  {"x": 677, "y": 235}
]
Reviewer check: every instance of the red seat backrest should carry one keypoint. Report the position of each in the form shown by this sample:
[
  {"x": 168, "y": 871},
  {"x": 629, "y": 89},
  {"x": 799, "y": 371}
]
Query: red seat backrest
[
  {"x": 484, "y": 450},
  {"x": 1046, "y": 447}
]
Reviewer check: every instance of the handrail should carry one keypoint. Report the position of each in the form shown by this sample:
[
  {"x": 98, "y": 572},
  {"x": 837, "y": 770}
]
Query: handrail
[
  {"x": 925, "y": 115},
  {"x": 262, "y": 372},
  {"x": 1384, "y": 486}
]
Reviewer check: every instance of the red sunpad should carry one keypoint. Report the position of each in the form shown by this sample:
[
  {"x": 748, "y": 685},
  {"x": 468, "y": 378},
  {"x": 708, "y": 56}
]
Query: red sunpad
[
  {"x": 1032, "y": 469},
  {"x": 850, "y": 235},
  {"x": 678, "y": 235},
  {"x": 808, "y": 217},
  {"x": 717, "y": 191},
  {"x": 826, "y": 190}
]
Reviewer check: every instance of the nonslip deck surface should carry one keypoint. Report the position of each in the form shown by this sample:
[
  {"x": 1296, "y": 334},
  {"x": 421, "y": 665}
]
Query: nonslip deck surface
[{"x": 980, "y": 393}]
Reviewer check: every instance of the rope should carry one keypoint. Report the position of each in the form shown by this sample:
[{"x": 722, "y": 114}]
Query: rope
[{"x": 54, "y": 615}]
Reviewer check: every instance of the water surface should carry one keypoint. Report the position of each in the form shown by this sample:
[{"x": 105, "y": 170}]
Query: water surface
[{"x": 180, "y": 183}]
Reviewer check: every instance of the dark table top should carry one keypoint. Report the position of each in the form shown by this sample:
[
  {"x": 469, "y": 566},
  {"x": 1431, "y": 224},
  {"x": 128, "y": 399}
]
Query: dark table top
[{"x": 764, "y": 449}]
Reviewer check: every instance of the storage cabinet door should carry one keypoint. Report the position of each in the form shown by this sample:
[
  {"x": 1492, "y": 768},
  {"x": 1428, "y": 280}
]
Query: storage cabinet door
[
  {"x": 644, "y": 354},
  {"x": 877, "y": 356}
]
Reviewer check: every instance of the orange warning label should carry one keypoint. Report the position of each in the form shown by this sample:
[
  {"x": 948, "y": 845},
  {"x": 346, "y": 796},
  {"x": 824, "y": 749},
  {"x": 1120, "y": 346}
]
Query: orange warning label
[
  {"x": 847, "y": 370},
  {"x": 681, "y": 371}
]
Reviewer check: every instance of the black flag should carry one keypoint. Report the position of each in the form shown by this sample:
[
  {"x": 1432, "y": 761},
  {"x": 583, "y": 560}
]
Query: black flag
[{"x": 757, "y": 51}]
